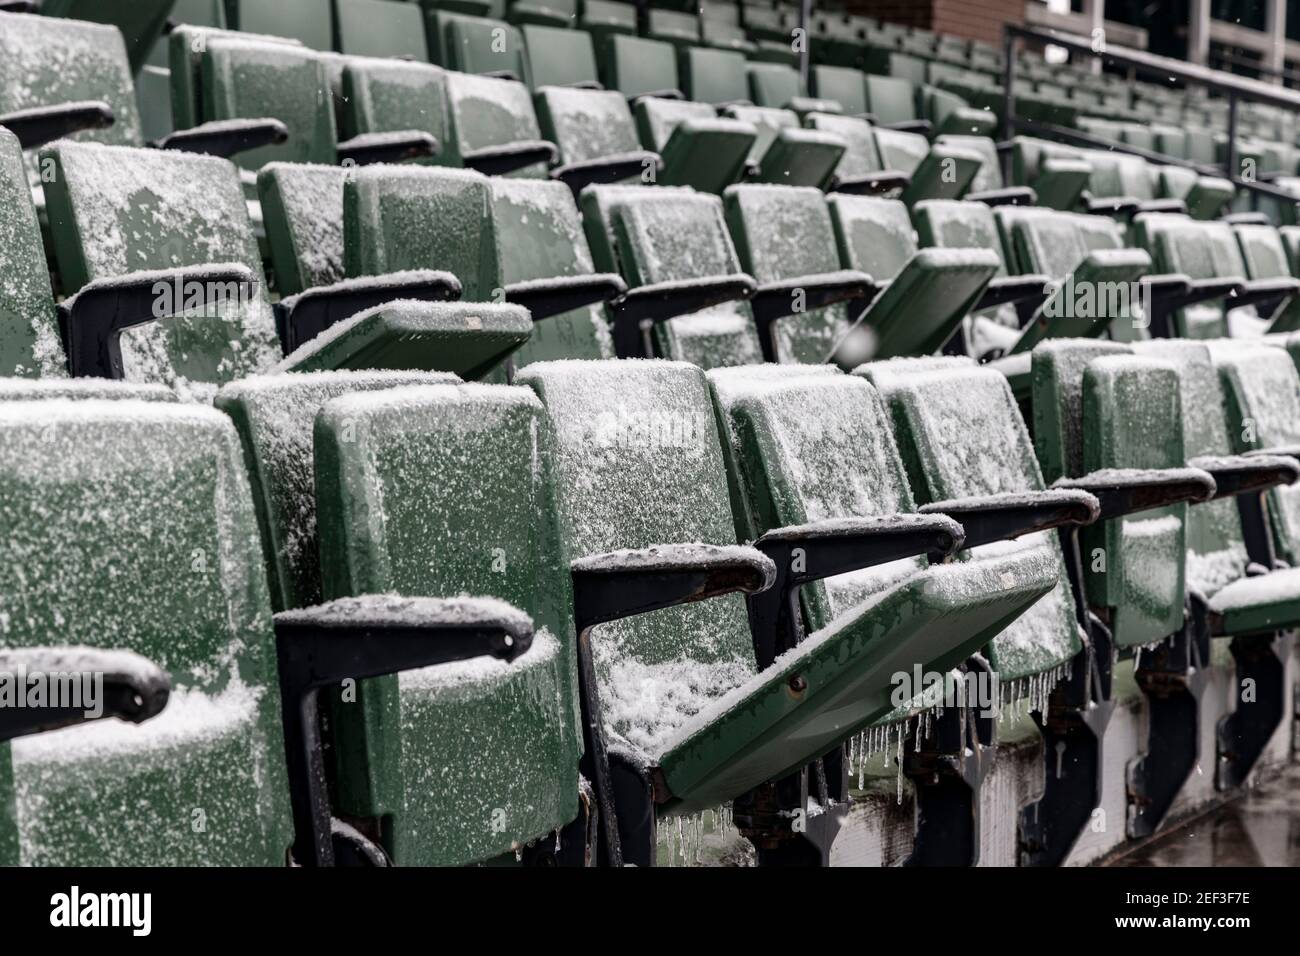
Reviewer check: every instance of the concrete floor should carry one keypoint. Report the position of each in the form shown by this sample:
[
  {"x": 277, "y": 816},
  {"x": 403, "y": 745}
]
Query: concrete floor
[{"x": 1261, "y": 828}]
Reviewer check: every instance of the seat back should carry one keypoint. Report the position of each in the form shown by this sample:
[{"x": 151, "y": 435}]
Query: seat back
[
  {"x": 302, "y": 211},
  {"x": 46, "y": 61},
  {"x": 390, "y": 95},
  {"x": 657, "y": 118},
  {"x": 140, "y": 22},
  {"x": 810, "y": 445},
  {"x": 1043, "y": 241},
  {"x": 1216, "y": 547},
  {"x": 618, "y": 491},
  {"x": 311, "y": 22},
  {"x": 803, "y": 246},
  {"x": 251, "y": 79},
  {"x": 714, "y": 76},
  {"x": 29, "y": 331},
  {"x": 674, "y": 26},
  {"x": 890, "y": 99},
  {"x": 842, "y": 84},
  {"x": 1097, "y": 406},
  {"x": 954, "y": 224},
  {"x": 861, "y": 157},
  {"x": 989, "y": 176},
  {"x": 156, "y": 492},
  {"x": 874, "y": 235},
  {"x": 537, "y": 234},
  {"x": 381, "y": 28},
  {"x": 773, "y": 84},
  {"x": 1120, "y": 174},
  {"x": 1262, "y": 398},
  {"x": 486, "y": 111},
  {"x": 476, "y": 45},
  {"x": 960, "y": 434},
  {"x": 637, "y": 65},
  {"x": 1262, "y": 252},
  {"x": 651, "y": 234},
  {"x": 115, "y": 210},
  {"x": 1178, "y": 244},
  {"x": 501, "y": 742},
  {"x": 559, "y": 57},
  {"x": 586, "y": 124}
]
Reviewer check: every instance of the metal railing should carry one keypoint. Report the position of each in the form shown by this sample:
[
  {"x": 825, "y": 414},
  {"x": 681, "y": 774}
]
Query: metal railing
[{"x": 1232, "y": 87}]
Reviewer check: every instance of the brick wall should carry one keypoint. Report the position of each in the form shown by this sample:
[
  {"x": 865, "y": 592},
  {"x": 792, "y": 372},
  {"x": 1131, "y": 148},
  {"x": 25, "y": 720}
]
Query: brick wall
[{"x": 973, "y": 19}]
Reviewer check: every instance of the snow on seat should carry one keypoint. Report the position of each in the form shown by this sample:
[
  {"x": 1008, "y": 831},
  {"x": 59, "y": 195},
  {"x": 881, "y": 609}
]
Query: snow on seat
[
  {"x": 440, "y": 491},
  {"x": 81, "y": 389},
  {"x": 639, "y": 462},
  {"x": 29, "y": 332},
  {"x": 650, "y": 234},
  {"x": 49, "y": 61},
  {"x": 699, "y": 149},
  {"x": 469, "y": 339},
  {"x": 586, "y": 124},
  {"x": 115, "y": 211},
  {"x": 1181, "y": 245},
  {"x": 1262, "y": 393},
  {"x": 129, "y": 525},
  {"x": 812, "y": 448},
  {"x": 960, "y": 434},
  {"x": 785, "y": 152},
  {"x": 803, "y": 246},
  {"x": 302, "y": 209},
  {"x": 385, "y": 95},
  {"x": 486, "y": 112}
]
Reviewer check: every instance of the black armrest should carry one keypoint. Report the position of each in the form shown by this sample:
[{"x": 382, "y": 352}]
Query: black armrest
[
  {"x": 909, "y": 126},
  {"x": 1165, "y": 293},
  {"x": 358, "y": 638},
  {"x": 118, "y": 684},
  {"x": 638, "y": 309},
  {"x": 1246, "y": 474},
  {"x": 872, "y": 183},
  {"x": 300, "y": 318},
  {"x": 776, "y": 300},
  {"x": 607, "y": 169},
  {"x": 92, "y": 320},
  {"x": 1125, "y": 491},
  {"x": 823, "y": 549},
  {"x": 1162, "y": 205},
  {"x": 1032, "y": 289},
  {"x": 44, "y": 124},
  {"x": 544, "y": 298},
  {"x": 1280, "y": 451},
  {"x": 19, "y": 6},
  {"x": 1007, "y": 516},
  {"x": 1206, "y": 290},
  {"x": 392, "y": 147},
  {"x": 1268, "y": 293},
  {"x": 1009, "y": 196},
  {"x": 500, "y": 160},
  {"x": 503, "y": 75},
  {"x": 225, "y": 138}
]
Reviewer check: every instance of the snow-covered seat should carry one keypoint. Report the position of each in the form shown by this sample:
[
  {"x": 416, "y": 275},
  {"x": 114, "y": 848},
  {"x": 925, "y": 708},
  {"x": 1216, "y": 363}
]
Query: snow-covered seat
[
  {"x": 678, "y": 27},
  {"x": 778, "y": 86},
  {"x": 961, "y": 438},
  {"x": 861, "y": 169},
  {"x": 155, "y": 491},
  {"x": 672, "y": 248},
  {"x": 29, "y": 331},
  {"x": 786, "y": 152},
  {"x": 840, "y": 84},
  {"x": 1057, "y": 173},
  {"x": 698, "y": 148},
  {"x": 1265, "y": 256},
  {"x": 909, "y": 302},
  {"x": 1226, "y": 301},
  {"x": 596, "y": 136},
  {"x": 689, "y": 718},
  {"x": 246, "y": 78},
  {"x": 516, "y": 240},
  {"x": 548, "y": 13},
  {"x": 938, "y": 171},
  {"x": 1262, "y": 392},
  {"x": 470, "y": 740},
  {"x": 988, "y": 186}
]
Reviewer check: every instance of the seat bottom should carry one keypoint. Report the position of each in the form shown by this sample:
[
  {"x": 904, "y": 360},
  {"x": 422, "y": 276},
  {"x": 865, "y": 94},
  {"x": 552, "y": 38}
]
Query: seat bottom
[{"x": 1267, "y": 602}]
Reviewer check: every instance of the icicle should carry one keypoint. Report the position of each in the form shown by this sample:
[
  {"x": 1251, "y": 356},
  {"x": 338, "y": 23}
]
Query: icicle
[{"x": 899, "y": 758}]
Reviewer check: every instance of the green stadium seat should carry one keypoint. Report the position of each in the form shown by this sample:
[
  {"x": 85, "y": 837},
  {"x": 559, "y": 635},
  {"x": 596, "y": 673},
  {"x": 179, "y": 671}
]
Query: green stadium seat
[
  {"x": 596, "y": 136},
  {"x": 723, "y": 750},
  {"x": 779, "y": 86},
  {"x": 546, "y": 13},
  {"x": 713, "y": 76},
  {"x": 310, "y": 22},
  {"x": 157, "y": 490},
  {"x": 29, "y": 330},
  {"x": 122, "y": 220},
  {"x": 140, "y": 22},
  {"x": 503, "y": 740},
  {"x": 698, "y": 148},
  {"x": 949, "y": 114},
  {"x": 892, "y": 101},
  {"x": 476, "y": 45},
  {"x": 1265, "y": 256},
  {"x": 725, "y": 36},
  {"x": 680, "y": 29},
  {"x": 605, "y": 18},
  {"x": 521, "y": 242},
  {"x": 988, "y": 185},
  {"x": 560, "y": 57},
  {"x": 840, "y": 84},
  {"x": 861, "y": 169},
  {"x": 787, "y": 153},
  {"x": 381, "y": 28},
  {"x": 638, "y": 67},
  {"x": 1057, "y": 174},
  {"x": 674, "y": 243},
  {"x": 935, "y": 172}
]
